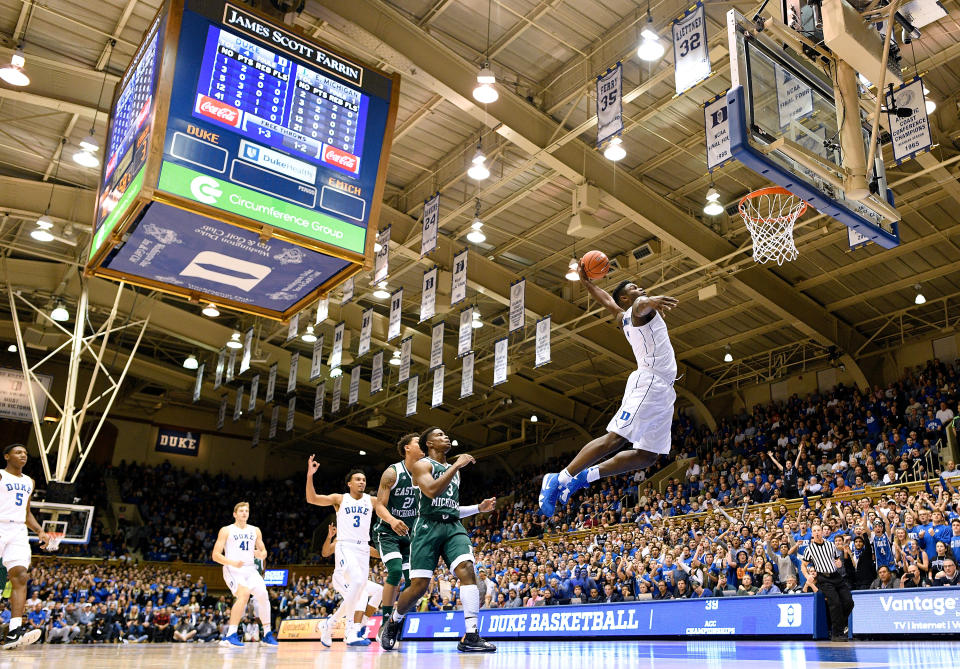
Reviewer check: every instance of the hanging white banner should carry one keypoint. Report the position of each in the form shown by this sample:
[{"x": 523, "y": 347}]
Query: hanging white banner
[
  {"x": 465, "y": 334},
  {"x": 271, "y": 382},
  {"x": 336, "y": 355},
  {"x": 222, "y": 415},
  {"x": 406, "y": 349},
  {"x": 366, "y": 329},
  {"x": 231, "y": 365},
  {"x": 347, "y": 291},
  {"x": 318, "y": 401},
  {"x": 717, "y": 131},
  {"x": 255, "y": 439},
  {"x": 335, "y": 401},
  {"x": 543, "y": 341},
  {"x": 293, "y": 329},
  {"x": 691, "y": 59},
  {"x": 431, "y": 219},
  {"x": 396, "y": 305},
  {"x": 436, "y": 345},
  {"x": 518, "y": 291},
  {"x": 437, "y": 398},
  {"x": 910, "y": 136},
  {"x": 354, "y": 393},
  {"x": 466, "y": 376},
  {"x": 254, "y": 390},
  {"x": 428, "y": 295},
  {"x": 292, "y": 377},
  {"x": 381, "y": 262},
  {"x": 610, "y": 104},
  {"x": 274, "y": 421},
  {"x": 221, "y": 367},
  {"x": 376, "y": 373},
  {"x": 500, "y": 361},
  {"x": 412, "y": 386},
  {"x": 291, "y": 413},
  {"x": 458, "y": 287},
  {"x": 323, "y": 310},
  {"x": 247, "y": 351},
  {"x": 238, "y": 405},
  {"x": 316, "y": 361},
  {"x": 198, "y": 384},
  {"x": 794, "y": 97}
]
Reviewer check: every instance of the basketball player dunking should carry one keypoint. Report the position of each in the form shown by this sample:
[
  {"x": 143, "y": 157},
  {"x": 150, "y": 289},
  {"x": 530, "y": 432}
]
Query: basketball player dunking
[
  {"x": 236, "y": 548},
  {"x": 646, "y": 413},
  {"x": 352, "y": 562},
  {"x": 15, "y": 517}
]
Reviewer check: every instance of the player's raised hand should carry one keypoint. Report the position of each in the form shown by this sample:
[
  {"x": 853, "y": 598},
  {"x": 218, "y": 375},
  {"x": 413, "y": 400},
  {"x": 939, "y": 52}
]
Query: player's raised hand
[
  {"x": 583, "y": 273},
  {"x": 463, "y": 460},
  {"x": 312, "y": 466},
  {"x": 662, "y": 302},
  {"x": 488, "y": 505},
  {"x": 332, "y": 530},
  {"x": 400, "y": 527}
]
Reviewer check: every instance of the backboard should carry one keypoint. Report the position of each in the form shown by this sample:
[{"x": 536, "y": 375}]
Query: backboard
[
  {"x": 785, "y": 125},
  {"x": 74, "y": 520}
]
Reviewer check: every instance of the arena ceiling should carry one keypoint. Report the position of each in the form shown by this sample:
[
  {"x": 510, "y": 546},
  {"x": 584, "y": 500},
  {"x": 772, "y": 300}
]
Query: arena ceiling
[{"x": 830, "y": 302}]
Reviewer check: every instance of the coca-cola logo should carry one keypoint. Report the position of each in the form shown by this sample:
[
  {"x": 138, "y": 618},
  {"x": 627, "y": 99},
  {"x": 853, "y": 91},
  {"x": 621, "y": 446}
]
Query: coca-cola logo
[
  {"x": 335, "y": 156},
  {"x": 219, "y": 111}
]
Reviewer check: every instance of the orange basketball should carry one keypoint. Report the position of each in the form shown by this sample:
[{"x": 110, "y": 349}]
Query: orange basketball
[{"x": 595, "y": 264}]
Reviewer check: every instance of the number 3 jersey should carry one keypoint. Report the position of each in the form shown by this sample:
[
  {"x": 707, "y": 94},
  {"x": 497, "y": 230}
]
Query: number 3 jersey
[
  {"x": 353, "y": 519},
  {"x": 240, "y": 544},
  {"x": 404, "y": 497},
  {"x": 15, "y": 492}
]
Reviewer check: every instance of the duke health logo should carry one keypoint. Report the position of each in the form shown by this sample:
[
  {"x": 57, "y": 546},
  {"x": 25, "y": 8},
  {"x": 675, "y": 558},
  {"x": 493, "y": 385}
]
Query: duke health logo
[
  {"x": 790, "y": 615},
  {"x": 205, "y": 189}
]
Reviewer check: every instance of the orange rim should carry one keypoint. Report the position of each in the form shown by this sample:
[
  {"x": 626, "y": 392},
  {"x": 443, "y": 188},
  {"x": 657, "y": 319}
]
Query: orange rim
[{"x": 771, "y": 190}]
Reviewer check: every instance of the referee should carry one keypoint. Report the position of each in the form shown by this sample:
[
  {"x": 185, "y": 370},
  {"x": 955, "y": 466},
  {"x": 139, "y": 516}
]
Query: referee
[{"x": 821, "y": 558}]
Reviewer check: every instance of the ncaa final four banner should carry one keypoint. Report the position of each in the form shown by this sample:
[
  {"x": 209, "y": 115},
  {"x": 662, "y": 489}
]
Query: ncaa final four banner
[
  {"x": 518, "y": 291},
  {"x": 717, "y": 131},
  {"x": 691, "y": 59},
  {"x": 609, "y": 105},
  {"x": 431, "y": 221}
]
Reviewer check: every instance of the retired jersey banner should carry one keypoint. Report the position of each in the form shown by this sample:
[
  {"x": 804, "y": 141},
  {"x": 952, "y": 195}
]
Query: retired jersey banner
[
  {"x": 458, "y": 287},
  {"x": 436, "y": 345},
  {"x": 465, "y": 335},
  {"x": 428, "y": 295},
  {"x": 609, "y": 104},
  {"x": 238, "y": 405},
  {"x": 254, "y": 390},
  {"x": 222, "y": 415},
  {"x": 198, "y": 384},
  {"x": 366, "y": 329},
  {"x": 318, "y": 401},
  {"x": 500, "y": 361},
  {"x": 293, "y": 329},
  {"x": 909, "y": 136},
  {"x": 316, "y": 360},
  {"x": 354, "y": 393},
  {"x": 255, "y": 439},
  {"x": 794, "y": 97},
  {"x": 518, "y": 291},
  {"x": 291, "y": 413},
  {"x": 543, "y": 341},
  {"x": 271, "y": 382},
  {"x": 323, "y": 310},
  {"x": 396, "y": 305},
  {"x": 381, "y": 262},
  {"x": 431, "y": 221},
  {"x": 247, "y": 351},
  {"x": 292, "y": 377},
  {"x": 347, "y": 291},
  {"x": 336, "y": 355},
  {"x": 337, "y": 387},
  {"x": 274, "y": 421},
  {"x": 412, "y": 385},
  {"x": 466, "y": 376},
  {"x": 717, "y": 131},
  {"x": 221, "y": 365},
  {"x": 406, "y": 351},
  {"x": 437, "y": 398},
  {"x": 376, "y": 373},
  {"x": 691, "y": 59},
  {"x": 231, "y": 365}
]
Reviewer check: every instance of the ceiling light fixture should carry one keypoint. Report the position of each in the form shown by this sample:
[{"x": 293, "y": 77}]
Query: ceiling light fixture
[
  {"x": 13, "y": 73},
  {"x": 713, "y": 206},
  {"x": 211, "y": 310},
  {"x": 309, "y": 336},
  {"x": 454, "y": 443},
  {"x": 335, "y": 372},
  {"x": 235, "y": 341},
  {"x": 485, "y": 93},
  {"x": 381, "y": 293},
  {"x": 361, "y": 452},
  {"x": 60, "y": 313},
  {"x": 476, "y": 236},
  {"x": 12, "y": 348},
  {"x": 395, "y": 360},
  {"x": 919, "y": 299},
  {"x": 727, "y": 356},
  {"x": 573, "y": 271},
  {"x": 478, "y": 171},
  {"x": 476, "y": 323},
  {"x": 650, "y": 48},
  {"x": 190, "y": 362},
  {"x": 533, "y": 418},
  {"x": 614, "y": 150}
]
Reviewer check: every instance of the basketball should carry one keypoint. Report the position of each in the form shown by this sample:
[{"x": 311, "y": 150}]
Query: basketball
[{"x": 595, "y": 264}]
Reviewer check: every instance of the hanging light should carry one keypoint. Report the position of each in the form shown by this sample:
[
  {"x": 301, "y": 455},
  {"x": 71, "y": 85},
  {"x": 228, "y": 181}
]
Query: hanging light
[
  {"x": 478, "y": 171},
  {"x": 12, "y": 348},
  {"x": 454, "y": 443},
  {"x": 728, "y": 356},
  {"x": 376, "y": 247},
  {"x": 395, "y": 360},
  {"x": 573, "y": 273},
  {"x": 650, "y": 48},
  {"x": 42, "y": 232},
  {"x": 211, "y": 310},
  {"x": 477, "y": 323},
  {"x": 476, "y": 236},
  {"x": 88, "y": 147},
  {"x": 308, "y": 336},
  {"x": 381, "y": 293},
  {"x": 713, "y": 206},
  {"x": 615, "y": 150},
  {"x": 485, "y": 93},
  {"x": 919, "y": 299},
  {"x": 60, "y": 313},
  {"x": 335, "y": 372},
  {"x": 931, "y": 105},
  {"x": 13, "y": 73},
  {"x": 235, "y": 341},
  {"x": 361, "y": 452},
  {"x": 533, "y": 418},
  {"x": 190, "y": 362}
]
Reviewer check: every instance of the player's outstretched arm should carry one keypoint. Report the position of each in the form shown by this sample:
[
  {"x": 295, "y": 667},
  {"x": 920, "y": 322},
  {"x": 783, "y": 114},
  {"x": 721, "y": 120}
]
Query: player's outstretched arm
[
  {"x": 486, "y": 506},
  {"x": 383, "y": 513},
  {"x": 217, "y": 554},
  {"x": 312, "y": 496},
  {"x": 598, "y": 293},
  {"x": 422, "y": 474}
]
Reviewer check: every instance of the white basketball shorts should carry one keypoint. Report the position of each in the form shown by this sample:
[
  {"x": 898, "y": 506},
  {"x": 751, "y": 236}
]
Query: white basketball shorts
[
  {"x": 646, "y": 414},
  {"x": 243, "y": 577},
  {"x": 351, "y": 565},
  {"x": 14, "y": 545}
]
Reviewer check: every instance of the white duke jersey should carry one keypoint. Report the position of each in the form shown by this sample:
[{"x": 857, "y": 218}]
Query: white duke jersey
[
  {"x": 15, "y": 491},
  {"x": 240, "y": 544},
  {"x": 353, "y": 519},
  {"x": 651, "y": 345}
]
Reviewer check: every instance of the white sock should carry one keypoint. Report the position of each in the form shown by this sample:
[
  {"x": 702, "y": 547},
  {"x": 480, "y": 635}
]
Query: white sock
[
  {"x": 231, "y": 630},
  {"x": 266, "y": 628},
  {"x": 470, "y": 594},
  {"x": 396, "y": 617},
  {"x": 593, "y": 474},
  {"x": 15, "y": 623},
  {"x": 564, "y": 477}
]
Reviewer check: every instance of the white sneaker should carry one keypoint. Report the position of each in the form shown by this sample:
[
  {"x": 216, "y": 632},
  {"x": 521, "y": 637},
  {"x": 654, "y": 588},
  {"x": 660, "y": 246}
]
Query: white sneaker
[{"x": 326, "y": 634}]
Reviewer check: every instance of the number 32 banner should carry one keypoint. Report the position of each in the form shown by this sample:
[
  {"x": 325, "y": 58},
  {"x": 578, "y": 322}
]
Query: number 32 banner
[
  {"x": 690, "y": 56},
  {"x": 610, "y": 104}
]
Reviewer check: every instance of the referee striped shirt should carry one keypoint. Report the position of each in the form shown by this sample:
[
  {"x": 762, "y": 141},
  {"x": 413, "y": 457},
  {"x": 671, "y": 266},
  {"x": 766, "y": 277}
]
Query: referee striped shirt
[{"x": 822, "y": 557}]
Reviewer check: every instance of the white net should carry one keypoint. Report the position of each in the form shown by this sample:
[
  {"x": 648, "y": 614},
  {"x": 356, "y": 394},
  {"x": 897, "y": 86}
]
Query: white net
[{"x": 770, "y": 214}]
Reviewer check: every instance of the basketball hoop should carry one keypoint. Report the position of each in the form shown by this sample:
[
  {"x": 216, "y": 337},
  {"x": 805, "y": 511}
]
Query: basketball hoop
[
  {"x": 770, "y": 214},
  {"x": 55, "y": 530}
]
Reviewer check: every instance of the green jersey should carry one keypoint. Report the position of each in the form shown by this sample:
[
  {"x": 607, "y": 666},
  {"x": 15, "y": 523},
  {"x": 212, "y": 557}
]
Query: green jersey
[
  {"x": 446, "y": 504},
  {"x": 402, "y": 503}
]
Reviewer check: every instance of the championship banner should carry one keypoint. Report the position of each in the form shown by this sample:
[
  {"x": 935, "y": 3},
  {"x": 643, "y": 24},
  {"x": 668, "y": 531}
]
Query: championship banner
[
  {"x": 436, "y": 345},
  {"x": 254, "y": 390},
  {"x": 231, "y": 365},
  {"x": 198, "y": 384},
  {"x": 396, "y": 303},
  {"x": 376, "y": 373},
  {"x": 466, "y": 376},
  {"x": 336, "y": 355},
  {"x": 274, "y": 421},
  {"x": 794, "y": 98},
  {"x": 717, "y": 130},
  {"x": 292, "y": 377},
  {"x": 609, "y": 105},
  {"x": 366, "y": 329},
  {"x": 323, "y": 310},
  {"x": 543, "y": 341},
  {"x": 518, "y": 290},
  {"x": 181, "y": 442},
  {"x": 316, "y": 360},
  {"x": 14, "y": 397},
  {"x": 238, "y": 405},
  {"x": 222, "y": 415},
  {"x": 431, "y": 221},
  {"x": 691, "y": 60},
  {"x": 247, "y": 351},
  {"x": 221, "y": 364},
  {"x": 318, "y": 401},
  {"x": 406, "y": 351},
  {"x": 347, "y": 291},
  {"x": 291, "y": 413},
  {"x": 428, "y": 295},
  {"x": 381, "y": 262},
  {"x": 437, "y": 398},
  {"x": 293, "y": 329},
  {"x": 271, "y": 382},
  {"x": 412, "y": 385},
  {"x": 909, "y": 136},
  {"x": 465, "y": 335},
  {"x": 500, "y": 361},
  {"x": 255, "y": 439},
  {"x": 335, "y": 401},
  {"x": 354, "y": 393},
  {"x": 458, "y": 287}
]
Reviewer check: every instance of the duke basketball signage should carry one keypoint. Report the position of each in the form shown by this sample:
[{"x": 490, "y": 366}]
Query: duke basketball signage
[{"x": 170, "y": 440}]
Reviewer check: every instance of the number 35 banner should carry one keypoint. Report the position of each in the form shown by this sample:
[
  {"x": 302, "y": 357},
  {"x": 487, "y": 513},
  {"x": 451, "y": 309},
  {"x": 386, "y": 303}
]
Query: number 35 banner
[
  {"x": 610, "y": 104},
  {"x": 690, "y": 56}
]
